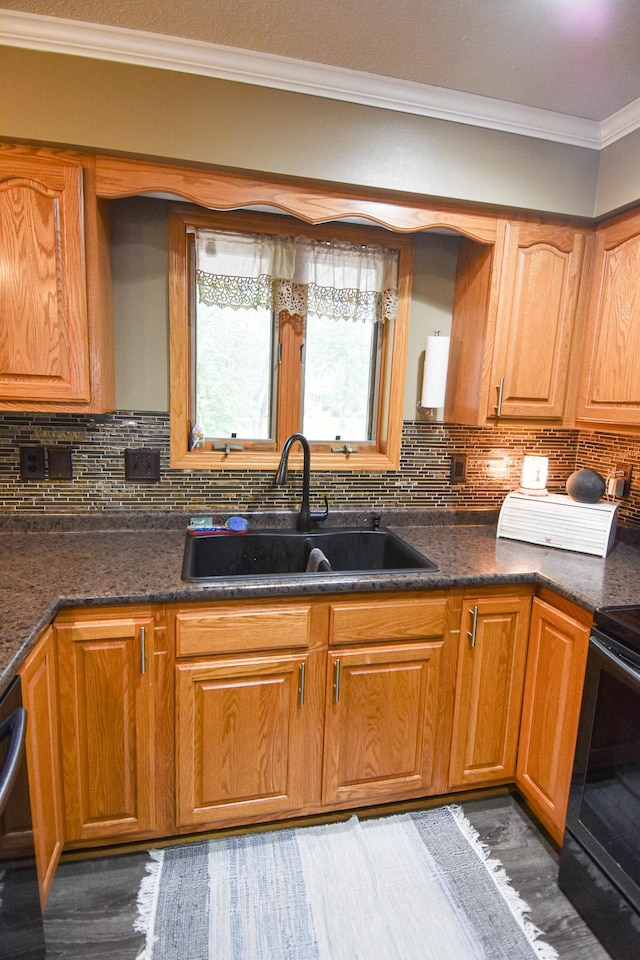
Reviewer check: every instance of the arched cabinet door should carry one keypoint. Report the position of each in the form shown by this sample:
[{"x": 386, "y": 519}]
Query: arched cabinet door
[
  {"x": 536, "y": 316},
  {"x": 610, "y": 382},
  {"x": 516, "y": 325},
  {"x": 44, "y": 346}
]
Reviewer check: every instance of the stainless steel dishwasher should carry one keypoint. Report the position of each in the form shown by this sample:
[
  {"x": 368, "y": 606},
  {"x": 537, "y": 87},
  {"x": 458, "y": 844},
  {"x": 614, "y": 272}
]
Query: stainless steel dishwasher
[{"x": 21, "y": 932}]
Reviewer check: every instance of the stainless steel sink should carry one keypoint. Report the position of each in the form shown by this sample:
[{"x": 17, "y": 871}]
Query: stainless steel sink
[{"x": 287, "y": 552}]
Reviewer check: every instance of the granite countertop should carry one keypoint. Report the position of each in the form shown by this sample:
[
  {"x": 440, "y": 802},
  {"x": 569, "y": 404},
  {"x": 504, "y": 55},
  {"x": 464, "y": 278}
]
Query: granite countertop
[{"x": 43, "y": 568}]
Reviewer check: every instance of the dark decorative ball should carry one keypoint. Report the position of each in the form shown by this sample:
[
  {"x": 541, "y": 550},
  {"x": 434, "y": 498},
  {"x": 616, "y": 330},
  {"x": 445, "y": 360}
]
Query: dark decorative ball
[{"x": 586, "y": 486}]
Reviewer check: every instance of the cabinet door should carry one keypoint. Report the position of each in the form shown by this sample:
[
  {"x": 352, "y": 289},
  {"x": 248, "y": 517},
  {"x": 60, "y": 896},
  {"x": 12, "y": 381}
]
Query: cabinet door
[
  {"x": 556, "y": 663},
  {"x": 610, "y": 381},
  {"x": 40, "y": 699},
  {"x": 491, "y": 665},
  {"x": 537, "y": 304},
  {"x": 244, "y": 739},
  {"x": 44, "y": 350},
  {"x": 109, "y": 726},
  {"x": 383, "y": 723}
]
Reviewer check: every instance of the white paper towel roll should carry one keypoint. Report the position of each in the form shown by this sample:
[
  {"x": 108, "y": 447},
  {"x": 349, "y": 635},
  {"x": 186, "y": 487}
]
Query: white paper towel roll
[{"x": 434, "y": 377}]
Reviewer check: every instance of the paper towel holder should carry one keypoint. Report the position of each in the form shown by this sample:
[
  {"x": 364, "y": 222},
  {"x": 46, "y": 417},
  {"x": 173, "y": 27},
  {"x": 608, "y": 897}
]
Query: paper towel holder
[{"x": 434, "y": 375}]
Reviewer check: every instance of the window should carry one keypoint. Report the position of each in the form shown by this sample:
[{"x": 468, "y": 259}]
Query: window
[{"x": 280, "y": 327}]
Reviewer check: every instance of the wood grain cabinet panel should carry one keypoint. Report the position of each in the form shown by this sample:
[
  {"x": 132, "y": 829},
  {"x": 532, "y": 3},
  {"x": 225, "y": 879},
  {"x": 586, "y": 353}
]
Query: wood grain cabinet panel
[
  {"x": 40, "y": 699},
  {"x": 244, "y": 737},
  {"x": 110, "y": 722},
  {"x": 516, "y": 326},
  {"x": 491, "y": 667},
  {"x": 610, "y": 381},
  {"x": 229, "y": 628},
  {"x": 383, "y": 719},
  {"x": 556, "y": 664},
  {"x": 44, "y": 350},
  {"x": 389, "y": 697},
  {"x": 537, "y": 304},
  {"x": 361, "y": 621},
  {"x": 56, "y": 350}
]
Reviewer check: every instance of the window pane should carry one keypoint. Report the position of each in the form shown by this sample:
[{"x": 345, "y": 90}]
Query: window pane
[
  {"x": 234, "y": 385},
  {"x": 339, "y": 379}
]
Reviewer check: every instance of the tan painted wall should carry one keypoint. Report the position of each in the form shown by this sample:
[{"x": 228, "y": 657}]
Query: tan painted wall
[
  {"x": 50, "y": 98},
  {"x": 139, "y": 264},
  {"x": 139, "y": 267},
  {"x": 619, "y": 176},
  {"x": 431, "y": 308}
]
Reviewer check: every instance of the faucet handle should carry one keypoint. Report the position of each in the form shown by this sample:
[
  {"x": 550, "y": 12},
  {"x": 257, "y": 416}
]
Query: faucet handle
[{"x": 318, "y": 516}]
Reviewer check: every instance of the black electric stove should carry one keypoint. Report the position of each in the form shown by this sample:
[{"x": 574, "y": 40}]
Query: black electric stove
[
  {"x": 600, "y": 858},
  {"x": 621, "y": 623}
]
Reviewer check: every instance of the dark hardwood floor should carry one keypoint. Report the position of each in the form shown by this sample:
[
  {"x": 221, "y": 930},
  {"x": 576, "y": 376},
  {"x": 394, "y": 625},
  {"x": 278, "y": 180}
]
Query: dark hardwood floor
[
  {"x": 531, "y": 861},
  {"x": 92, "y": 905}
]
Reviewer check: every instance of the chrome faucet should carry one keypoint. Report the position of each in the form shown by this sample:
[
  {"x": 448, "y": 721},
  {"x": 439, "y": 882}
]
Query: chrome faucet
[{"x": 306, "y": 517}]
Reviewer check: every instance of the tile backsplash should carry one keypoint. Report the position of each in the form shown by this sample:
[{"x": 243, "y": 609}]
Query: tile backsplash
[{"x": 493, "y": 462}]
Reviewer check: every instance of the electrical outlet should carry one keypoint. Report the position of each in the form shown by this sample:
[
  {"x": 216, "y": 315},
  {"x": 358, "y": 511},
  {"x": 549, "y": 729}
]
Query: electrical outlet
[
  {"x": 32, "y": 463},
  {"x": 458, "y": 468},
  {"x": 623, "y": 473},
  {"x": 142, "y": 465}
]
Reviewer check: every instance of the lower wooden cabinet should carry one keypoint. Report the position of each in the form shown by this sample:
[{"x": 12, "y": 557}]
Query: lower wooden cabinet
[
  {"x": 355, "y": 707},
  {"x": 40, "y": 699},
  {"x": 283, "y": 707},
  {"x": 383, "y": 723},
  {"x": 490, "y": 677},
  {"x": 244, "y": 739},
  {"x": 112, "y": 724},
  {"x": 556, "y": 664}
]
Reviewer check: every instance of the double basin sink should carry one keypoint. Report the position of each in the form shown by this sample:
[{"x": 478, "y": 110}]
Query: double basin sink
[{"x": 210, "y": 556}]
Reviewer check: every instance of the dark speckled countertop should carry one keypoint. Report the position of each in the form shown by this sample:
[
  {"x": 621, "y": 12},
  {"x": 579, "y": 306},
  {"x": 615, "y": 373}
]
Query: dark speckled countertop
[{"x": 46, "y": 566}]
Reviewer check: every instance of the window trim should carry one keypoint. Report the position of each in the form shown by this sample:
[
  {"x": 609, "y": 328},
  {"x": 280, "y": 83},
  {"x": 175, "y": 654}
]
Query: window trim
[{"x": 385, "y": 454}]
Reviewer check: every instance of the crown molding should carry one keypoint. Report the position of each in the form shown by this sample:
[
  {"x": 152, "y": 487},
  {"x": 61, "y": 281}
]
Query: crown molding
[
  {"x": 620, "y": 123},
  {"x": 97, "y": 41}
]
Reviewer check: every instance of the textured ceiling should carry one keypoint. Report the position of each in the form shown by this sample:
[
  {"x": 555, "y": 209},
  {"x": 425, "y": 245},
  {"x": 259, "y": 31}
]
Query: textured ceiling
[{"x": 578, "y": 57}]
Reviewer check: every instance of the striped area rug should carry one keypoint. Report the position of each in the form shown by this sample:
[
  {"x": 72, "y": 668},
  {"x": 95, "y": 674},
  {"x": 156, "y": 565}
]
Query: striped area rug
[{"x": 417, "y": 886}]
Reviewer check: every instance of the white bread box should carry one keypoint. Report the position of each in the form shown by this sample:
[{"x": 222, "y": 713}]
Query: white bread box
[{"x": 558, "y": 521}]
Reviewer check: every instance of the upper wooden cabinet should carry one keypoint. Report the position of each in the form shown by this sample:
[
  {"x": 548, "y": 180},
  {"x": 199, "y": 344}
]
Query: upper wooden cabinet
[
  {"x": 610, "y": 382},
  {"x": 515, "y": 320},
  {"x": 56, "y": 349}
]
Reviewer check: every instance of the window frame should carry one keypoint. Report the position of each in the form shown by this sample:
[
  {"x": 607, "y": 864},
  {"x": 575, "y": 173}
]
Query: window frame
[{"x": 382, "y": 455}]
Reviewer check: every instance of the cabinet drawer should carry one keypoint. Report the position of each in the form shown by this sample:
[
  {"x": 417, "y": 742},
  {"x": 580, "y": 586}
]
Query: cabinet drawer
[
  {"x": 357, "y": 622},
  {"x": 228, "y": 629}
]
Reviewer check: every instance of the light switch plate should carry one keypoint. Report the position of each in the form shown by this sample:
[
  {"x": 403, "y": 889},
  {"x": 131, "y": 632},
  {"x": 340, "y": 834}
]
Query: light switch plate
[
  {"x": 142, "y": 464},
  {"x": 60, "y": 463}
]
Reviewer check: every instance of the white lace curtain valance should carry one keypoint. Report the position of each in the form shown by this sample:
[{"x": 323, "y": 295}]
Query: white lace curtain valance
[{"x": 329, "y": 279}]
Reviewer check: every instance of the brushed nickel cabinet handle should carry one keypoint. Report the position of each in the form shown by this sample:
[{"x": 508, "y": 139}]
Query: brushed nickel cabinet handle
[
  {"x": 500, "y": 389},
  {"x": 301, "y": 684},
  {"x": 336, "y": 681},
  {"x": 143, "y": 651},
  {"x": 473, "y": 613}
]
